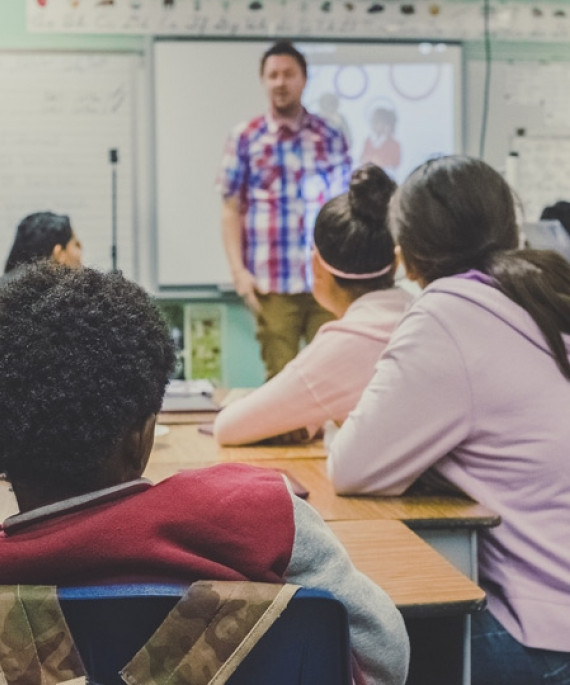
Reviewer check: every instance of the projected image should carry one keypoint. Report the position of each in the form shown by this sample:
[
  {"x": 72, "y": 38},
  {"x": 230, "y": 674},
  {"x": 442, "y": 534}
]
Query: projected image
[
  {"x": 395, "y": 115},
  {"x": 380, "y": 146}
]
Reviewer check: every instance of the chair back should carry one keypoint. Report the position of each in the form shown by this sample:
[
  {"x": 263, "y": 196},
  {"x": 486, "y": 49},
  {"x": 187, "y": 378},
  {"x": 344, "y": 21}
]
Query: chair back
[{"x": 307, "y": 645}]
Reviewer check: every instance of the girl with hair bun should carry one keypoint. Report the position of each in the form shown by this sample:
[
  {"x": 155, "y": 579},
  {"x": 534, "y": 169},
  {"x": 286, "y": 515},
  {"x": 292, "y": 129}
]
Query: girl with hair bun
[
  {"x": 353, "y": 267},
  {"x": 475, "y": 387}
]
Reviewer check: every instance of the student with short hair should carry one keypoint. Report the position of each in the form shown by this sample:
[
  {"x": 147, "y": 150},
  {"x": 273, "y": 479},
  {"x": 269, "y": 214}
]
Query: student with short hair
[
  {"x": 84, "y": 361},
  {"x": 43, "y": 235},
  {"x": 475, "y": 385},
  {"x": 353, "y": 265}
]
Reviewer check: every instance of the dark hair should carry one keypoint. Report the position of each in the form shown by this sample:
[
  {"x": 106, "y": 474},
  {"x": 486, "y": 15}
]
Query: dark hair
[
  {"x": 456, "y": 213},
  {"x": 36, "y": 236},
  {"x": 84, "y": 357},
  {"x": 284, "y": 47},
  {"x": 559, "y": 210},
  {"x": 351, "y": 230}
]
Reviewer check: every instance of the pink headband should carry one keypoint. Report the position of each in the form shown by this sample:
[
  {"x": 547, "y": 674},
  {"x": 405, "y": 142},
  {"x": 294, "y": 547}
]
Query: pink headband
[{"x": 355, "y": 277}]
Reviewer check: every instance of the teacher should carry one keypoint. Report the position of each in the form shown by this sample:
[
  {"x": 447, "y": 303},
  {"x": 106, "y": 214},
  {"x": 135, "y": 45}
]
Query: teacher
[{"x": 277, "y": 171}]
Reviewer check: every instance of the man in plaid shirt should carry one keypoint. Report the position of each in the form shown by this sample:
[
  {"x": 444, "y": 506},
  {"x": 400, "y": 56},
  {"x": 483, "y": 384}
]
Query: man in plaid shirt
[{"x": 277, "y": 171}]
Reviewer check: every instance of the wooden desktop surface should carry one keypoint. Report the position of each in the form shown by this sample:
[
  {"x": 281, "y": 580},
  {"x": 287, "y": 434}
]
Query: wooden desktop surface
[
  {"x": 417, "y": 578},
  {"x": 185, "y": 447}
]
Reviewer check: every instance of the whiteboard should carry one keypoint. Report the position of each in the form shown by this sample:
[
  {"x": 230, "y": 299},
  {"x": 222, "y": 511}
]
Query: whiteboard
[
  {"x": 61, "y": 114},
  {"x": 204, "y": 88},
  {"x": 201, "y": 91}
]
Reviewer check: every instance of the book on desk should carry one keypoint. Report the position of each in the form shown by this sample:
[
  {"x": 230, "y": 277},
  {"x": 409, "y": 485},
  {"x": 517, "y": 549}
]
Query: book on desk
[{"x": 189, "y": 396}]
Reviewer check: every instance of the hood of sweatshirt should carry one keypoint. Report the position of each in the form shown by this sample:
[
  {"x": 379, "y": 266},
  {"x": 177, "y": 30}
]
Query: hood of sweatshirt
[{"x": 482, "y": 294}]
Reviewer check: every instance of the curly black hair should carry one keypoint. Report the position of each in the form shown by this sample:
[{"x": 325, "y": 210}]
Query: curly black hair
[{"x": 84, "y": 357}]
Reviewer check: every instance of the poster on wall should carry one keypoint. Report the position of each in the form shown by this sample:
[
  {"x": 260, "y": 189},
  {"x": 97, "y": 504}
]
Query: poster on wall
[{"x": 390, "y": 19}]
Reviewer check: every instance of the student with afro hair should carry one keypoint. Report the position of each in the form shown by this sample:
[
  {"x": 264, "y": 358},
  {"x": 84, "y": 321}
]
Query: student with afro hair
[{"x": 84, "y": 361}]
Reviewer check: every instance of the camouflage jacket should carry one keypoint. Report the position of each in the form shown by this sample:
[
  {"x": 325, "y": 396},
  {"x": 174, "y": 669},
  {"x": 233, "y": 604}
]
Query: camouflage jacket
[{"x": 202, "y": 640}]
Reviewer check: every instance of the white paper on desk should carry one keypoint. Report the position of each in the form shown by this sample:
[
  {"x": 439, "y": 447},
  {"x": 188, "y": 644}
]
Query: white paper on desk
[
  {"x": 201, "y": 386},
  {"x": 189, "y": 396}
]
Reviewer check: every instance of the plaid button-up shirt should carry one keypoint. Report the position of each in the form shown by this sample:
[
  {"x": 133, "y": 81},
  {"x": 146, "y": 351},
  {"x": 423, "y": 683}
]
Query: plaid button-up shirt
[{"x": 282, "y": 177}]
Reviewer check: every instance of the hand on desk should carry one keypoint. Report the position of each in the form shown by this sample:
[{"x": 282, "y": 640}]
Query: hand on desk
[
  {"x": 330, "y": 429},
  {"x": 292, "y": 438},
  {"x": 432, "y": 483}
]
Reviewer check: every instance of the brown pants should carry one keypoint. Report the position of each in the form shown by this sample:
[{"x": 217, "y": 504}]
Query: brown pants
[{"x": 284, "y": 321}]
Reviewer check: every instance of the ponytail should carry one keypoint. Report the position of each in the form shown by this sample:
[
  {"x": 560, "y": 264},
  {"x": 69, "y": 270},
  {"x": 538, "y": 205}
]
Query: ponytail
[{"x": 539, "y": 282}]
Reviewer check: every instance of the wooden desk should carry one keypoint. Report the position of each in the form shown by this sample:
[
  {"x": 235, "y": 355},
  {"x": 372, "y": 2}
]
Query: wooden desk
[
  {"x": 184, "y": 444},
  {"x": 419, "y": 580},
  {"x": 433, "y": 596},
  {"x": 448, "y": 523}
]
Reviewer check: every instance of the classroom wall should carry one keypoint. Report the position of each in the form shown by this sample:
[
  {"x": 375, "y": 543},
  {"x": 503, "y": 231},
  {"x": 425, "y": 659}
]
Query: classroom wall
[{"x": 241, "y": 363}]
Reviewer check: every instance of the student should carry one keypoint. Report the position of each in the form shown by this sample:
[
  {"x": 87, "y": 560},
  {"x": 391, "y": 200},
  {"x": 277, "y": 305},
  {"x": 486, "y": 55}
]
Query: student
[
  {"x": 560, "y": 211},
  {"x": 353, "y": 265},
  {"x": 277, "y": 171},
  {"x": 475, "y": 384},
  {"x": 43, "y": 235},
  {"x": 84, "y": 361}
]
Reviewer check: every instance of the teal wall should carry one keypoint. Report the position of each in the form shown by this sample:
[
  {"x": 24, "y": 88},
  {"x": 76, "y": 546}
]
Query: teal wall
[{"x": 241, "y": 363}]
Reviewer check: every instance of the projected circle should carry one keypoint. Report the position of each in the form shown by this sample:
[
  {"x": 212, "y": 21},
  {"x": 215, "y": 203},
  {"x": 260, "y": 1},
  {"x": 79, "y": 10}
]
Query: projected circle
[
  {"x": 412, "y": 82},
  {"x": 350, "y": 82}
]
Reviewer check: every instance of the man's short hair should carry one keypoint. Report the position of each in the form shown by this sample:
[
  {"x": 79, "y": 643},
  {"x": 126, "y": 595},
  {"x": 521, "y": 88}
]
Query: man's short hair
[
  {"x": 284, "y": 47},
  {"x": 84, "y": 357}
]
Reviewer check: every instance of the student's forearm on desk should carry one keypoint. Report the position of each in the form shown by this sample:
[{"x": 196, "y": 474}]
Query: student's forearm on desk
[
  {"x": 316, "y": 386},
  {"x": 415, "y": 411},
  {"x": 281, "y": 405}
]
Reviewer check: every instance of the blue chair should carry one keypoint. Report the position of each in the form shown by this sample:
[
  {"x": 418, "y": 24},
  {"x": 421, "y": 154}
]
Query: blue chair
[{"x": 307, "y": 645}]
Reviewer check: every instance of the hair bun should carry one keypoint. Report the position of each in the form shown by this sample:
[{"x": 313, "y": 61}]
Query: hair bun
[{"x": 369, "y": 192}]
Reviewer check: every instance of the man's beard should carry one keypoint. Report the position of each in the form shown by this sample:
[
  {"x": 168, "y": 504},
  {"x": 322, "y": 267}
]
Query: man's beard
[{"x": 288, "y": 110}]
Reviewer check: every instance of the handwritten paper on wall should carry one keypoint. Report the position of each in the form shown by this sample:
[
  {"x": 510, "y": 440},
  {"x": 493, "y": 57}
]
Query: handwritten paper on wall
[
  {"x": 61, "y": 115},
  {"x": 543, "y": 166},
  {"x": 543, "y": 174}
]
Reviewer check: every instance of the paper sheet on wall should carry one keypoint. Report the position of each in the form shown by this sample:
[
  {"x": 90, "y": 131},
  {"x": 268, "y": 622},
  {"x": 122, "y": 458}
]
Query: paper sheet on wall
[
  {"x": 61, "y": 115},
  {"x": 543, "y": 174},
  {"x": 444, "y": 19},
  {"x": 541, "y": 84}
]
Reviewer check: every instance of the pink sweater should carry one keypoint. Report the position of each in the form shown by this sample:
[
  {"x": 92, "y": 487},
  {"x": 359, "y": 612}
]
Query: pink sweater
[{"x": 326, "y": 378}]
